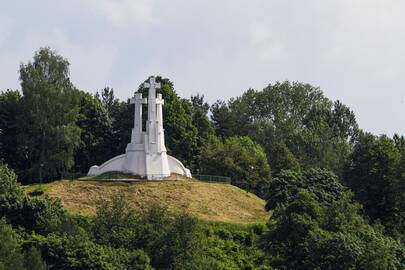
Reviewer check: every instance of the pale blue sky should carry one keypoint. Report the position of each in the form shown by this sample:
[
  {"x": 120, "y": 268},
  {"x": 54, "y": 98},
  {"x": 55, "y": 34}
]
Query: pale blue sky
[{"x": 354, "y": 50}]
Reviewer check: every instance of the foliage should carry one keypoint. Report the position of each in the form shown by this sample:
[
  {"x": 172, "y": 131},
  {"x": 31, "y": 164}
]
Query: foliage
[
  {"x": 278, "y": 154},
  {"x": 33, "y": 260},
  {"x": 48, "y": 134},
  {"x": 309, "y": 234},
  {"x": 315, "y": 130},
  {"x": 10, "y": 103},
  {"x": 10, "y": 252},
  {"x": 319, "y": 183},
  {"x": 241, "y": 159},
  {"x": 375, "y": 173},
  {"x": 233, "y": 247},
  {"x": 107, "y": 98},
  {"x": 77, "y": 253},
  {"x": 12, "y": 256},
  {"x": 11, "y": 194},
  {"x": 43, "y": 215},
  {"x": 198, "y": 109},
  {"x": 114, "y": 224},
  {"x": 171, "y": 242},
  {"x": 96, "y": 126}
]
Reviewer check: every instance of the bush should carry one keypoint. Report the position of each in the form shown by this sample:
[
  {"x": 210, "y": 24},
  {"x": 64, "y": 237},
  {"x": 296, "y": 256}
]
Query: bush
[
  {"x": 320, "y": 183},
  {"x": 11, "y": 194},
  {"x": 63, "y": 252},
  {"x": 43, "y": 215},
  {"x": 114, "y": 224},
  {"x": 227, "y": 246},
  {"x": 240, "y": 158},
  {"x": 312, "y": 234},
  {"x": 172, "y": 242},
  {"x": 10, "y": 251},
  {"x": 12, "y": 256}
]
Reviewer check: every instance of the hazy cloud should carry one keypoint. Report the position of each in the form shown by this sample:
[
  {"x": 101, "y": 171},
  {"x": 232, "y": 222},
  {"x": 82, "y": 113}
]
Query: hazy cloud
[{"x": 127, "y": 12}]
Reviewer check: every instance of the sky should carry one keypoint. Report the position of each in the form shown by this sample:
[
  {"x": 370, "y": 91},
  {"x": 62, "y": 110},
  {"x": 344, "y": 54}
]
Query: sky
[{"x": 352, "y": 49}]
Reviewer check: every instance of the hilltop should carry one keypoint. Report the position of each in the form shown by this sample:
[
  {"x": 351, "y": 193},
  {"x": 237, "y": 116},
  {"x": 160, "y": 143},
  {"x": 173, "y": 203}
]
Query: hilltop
[{"x": 208, "y": 201}]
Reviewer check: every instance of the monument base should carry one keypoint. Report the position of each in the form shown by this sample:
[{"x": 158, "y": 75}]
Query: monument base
[{"x": 120, "y": 164}]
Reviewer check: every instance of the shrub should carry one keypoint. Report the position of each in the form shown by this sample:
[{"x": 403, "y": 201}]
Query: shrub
[{"x": 11, "y": 194}]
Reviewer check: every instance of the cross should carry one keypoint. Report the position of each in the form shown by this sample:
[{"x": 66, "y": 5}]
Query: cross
[
  {"x": 160, "y": 100},
  {"x": 152, "y": 83},
  {"x": 137, "y": 99}
]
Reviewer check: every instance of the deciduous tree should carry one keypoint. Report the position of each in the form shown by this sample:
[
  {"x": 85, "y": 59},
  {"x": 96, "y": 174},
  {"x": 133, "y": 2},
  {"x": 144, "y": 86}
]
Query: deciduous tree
[{"x": 48, "y": 133}]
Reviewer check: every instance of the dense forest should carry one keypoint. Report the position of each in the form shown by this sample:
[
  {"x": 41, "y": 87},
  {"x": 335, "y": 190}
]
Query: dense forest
[{"x": 335, "y": 191}]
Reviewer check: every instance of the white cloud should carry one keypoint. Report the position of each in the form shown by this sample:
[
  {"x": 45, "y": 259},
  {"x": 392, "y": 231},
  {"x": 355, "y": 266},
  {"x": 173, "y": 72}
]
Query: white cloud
[
  {"x": 264, "y": 43},
  {"x": 5, "y": 28},
  {"x": 369, "y": 34},
  {"x": 128, "y": 12},
  {"x": 88, "y": 64}
]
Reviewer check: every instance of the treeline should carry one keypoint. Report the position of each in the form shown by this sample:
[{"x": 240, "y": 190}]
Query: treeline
[{"x": 337, "y": 192}]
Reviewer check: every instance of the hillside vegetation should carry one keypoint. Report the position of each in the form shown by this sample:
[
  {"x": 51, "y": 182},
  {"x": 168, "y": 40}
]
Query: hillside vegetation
[{"x": 208, "y": 201}]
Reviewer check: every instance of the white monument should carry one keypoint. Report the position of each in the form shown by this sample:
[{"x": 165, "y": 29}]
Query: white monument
[{"x": 146, "y": 154}]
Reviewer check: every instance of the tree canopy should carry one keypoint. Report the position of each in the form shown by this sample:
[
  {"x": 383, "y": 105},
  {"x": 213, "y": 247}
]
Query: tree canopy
[{"x": 48, "y": 132}]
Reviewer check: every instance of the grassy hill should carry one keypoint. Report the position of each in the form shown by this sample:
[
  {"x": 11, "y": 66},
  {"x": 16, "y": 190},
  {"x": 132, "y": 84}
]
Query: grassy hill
[{"x": 209, "y": 201}]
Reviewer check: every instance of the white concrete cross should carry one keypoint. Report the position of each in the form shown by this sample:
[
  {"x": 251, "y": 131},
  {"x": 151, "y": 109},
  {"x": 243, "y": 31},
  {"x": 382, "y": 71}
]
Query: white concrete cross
[
  {"x": 138, "y": 101},
  {"x": 160, "y": 100},
  {"x": 151, "y": 84}
]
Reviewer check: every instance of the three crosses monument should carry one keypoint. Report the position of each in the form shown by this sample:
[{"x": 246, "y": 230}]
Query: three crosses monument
[{"x": 146, "y": 154}]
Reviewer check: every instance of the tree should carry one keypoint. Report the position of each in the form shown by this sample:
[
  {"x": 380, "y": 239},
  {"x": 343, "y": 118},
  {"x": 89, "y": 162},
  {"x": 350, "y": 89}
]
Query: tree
[
  {"x": 79, "y": 252},
  {"x": 374, "y": 173},
  {"x": 10, "y": 103},
  {"x": 48, "y": 132},
  {"x": 115, "y": 224},
  {"x": 33, "y": 260},
  {"x": 278, "y": 154},
  {"x": 241, "y": 159},
  {"x": 316, "y": 131},
  {"x": 198, "y": 109},
  {"x": 223, "y": 119},
  {"x": 107, "y": 98},
  {"x": 172, "y": 242},
  {"x": 11, "y": 257},
  {"x": 96, "y": 131},
  {"x": 310, "y": 234},
  {"x": 11, "y": 193},
  {"x": 198, "y": 102},
  {"x": 42, "y": 215},
  {"x": 122, "y": 118},
  {"x": 321, "y": 184}
]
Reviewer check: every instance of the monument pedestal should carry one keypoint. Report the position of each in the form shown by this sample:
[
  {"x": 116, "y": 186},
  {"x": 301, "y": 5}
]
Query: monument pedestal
[{"x": 135, "y": 159}]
